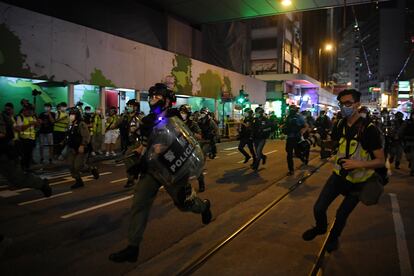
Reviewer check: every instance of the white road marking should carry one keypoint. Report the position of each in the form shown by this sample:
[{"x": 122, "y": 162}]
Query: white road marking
[
  {"x": 119, "y": 165},
  {"x": 403, "y": 253},
  {"x": 57, "y": 176},
  {"x": 242, "y": 161},
  {"x": 119, "y": 180},
  {"x": 96, "y": 207},
  {"x": 43, "y": 199},
  {"x": 8, "y": 193},
  {"x": 84, "y": 178},
  {"x": 232, "y": 153},
  {"x": 232, "y": 148},
  {"x": 271, "y": 152}
]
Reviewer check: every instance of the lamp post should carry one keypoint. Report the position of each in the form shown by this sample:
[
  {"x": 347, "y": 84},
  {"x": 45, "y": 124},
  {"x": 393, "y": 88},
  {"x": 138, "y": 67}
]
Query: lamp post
[{"x": 328, "y": 47}]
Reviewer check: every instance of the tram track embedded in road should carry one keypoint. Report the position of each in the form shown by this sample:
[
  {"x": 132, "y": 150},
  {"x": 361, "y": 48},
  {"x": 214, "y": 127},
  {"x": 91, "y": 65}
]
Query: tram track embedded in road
[{"x": 203, "y": 258}]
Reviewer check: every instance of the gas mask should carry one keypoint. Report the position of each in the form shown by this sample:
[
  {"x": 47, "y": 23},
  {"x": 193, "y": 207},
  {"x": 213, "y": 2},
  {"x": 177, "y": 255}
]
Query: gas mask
[
  {"x": 157, "y": 107},
  {"x": 130, "y": 109}
]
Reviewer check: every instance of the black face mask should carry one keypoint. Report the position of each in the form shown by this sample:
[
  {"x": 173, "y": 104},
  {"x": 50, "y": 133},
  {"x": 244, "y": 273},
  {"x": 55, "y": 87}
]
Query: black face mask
[{"x": 158, "y": 107}]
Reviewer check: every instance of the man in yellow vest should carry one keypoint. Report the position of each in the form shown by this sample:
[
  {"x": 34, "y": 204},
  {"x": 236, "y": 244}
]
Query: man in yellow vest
[
  {"x": 9, "y": 167},
  {"x": 26, "y": 125},
  {"x": 360, "y": 152},
  {"x": 60, "y": 127}
]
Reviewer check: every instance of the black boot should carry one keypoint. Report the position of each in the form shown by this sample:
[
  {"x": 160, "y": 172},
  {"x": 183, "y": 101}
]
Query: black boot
[
  {"x": 246, "y": 159},
  {"x": 78, "y": 183},
  {"x": 95, "y": 172},
  {"x": 332, "y": 244},
  {"x": 206, "y": 216},
  {"x": 397, "y": 165},
  {"x": 129, "y": 254},
  {"x": 129, "y": 184},
  {"x": 264, "y": 158},
  {"x": 46, "y": 190}
]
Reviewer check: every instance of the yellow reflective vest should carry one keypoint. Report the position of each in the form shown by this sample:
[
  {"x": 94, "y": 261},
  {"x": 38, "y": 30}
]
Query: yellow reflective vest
[
  {"x": 30, "y": 132},
  {"x": 62, "y": 122},
  {"x": 356, "y": 152},
  {"x": 97, "y": 124}
]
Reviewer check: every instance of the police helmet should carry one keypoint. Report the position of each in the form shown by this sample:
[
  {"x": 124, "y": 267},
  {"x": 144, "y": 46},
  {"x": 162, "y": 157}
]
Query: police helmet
[
  {"x": 133, "y": 102},
  {"x": 186, "y": 108},
  {"x": 162, "y": 89},
  {"x": 259, "y": 110},
  {"x": 204, "y": 110},
  {"x": 76, "y": 111},
  {"x": 248, "y": 110}
]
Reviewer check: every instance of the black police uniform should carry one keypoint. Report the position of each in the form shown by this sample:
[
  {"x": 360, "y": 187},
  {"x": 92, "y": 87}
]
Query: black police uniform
[{"x": 246, "y": 138}]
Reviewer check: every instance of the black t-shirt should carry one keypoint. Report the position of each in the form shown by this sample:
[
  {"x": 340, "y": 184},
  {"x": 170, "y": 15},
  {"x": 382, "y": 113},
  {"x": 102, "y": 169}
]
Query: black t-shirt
[
  {"x": 370, "y": 138},
  {"x": 46, "y": 126}
]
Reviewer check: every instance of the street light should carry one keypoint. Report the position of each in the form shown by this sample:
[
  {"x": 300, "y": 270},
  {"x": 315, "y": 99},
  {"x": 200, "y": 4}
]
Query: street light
[
  {"x": 328, "y": 47},
  {"x": 286, "y": 3},
  {"x": 349, "y": 83}
]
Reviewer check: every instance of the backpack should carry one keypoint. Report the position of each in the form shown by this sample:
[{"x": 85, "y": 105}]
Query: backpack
[{"x": 291, "y": 125}]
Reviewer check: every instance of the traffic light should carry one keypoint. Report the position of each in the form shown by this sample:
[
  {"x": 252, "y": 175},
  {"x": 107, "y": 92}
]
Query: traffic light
[{"x": 243, "y": 98}]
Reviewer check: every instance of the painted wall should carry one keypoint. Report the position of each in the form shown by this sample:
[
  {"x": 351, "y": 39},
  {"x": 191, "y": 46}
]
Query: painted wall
[{"x": 43, "y": 47}]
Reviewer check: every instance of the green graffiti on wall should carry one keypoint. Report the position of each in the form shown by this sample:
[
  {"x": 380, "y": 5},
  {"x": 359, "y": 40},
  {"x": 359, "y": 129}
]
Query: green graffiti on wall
[
  {"x": 12, "y": 61},
  {"x": 182, "y": 74},
  {"x": 98, "y": 78},
  {"x": 210, "y": 84},
  {"x": 13, "y": 90}
]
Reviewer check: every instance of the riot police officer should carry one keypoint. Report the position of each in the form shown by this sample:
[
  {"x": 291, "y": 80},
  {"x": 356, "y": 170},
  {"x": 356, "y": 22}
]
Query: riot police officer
[
  {"x": 246, "y": 135},
  {"x": 262, "y": 129},
  {"x": 78, "y": 138},
  {"x": 294, "y": 127},
  {"x": 185, "y": 115},
  {"x": 9, "y": 167},
  {"x": 129, "y": 129},
  {"x": 171, "y": 155},
  {"x": 209, "y": 131}
]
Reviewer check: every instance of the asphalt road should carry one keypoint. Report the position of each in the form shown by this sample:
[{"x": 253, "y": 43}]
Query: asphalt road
[{"x": 75, "y": 231}]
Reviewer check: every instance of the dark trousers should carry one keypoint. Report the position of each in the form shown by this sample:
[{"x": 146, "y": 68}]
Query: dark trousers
[
  {"x": 335, "y": 186},
  {"x": 291, "y": 145},
  {"x": 58, "y": 137},
  {"x": 124, "y": 142},
  {"x": 27, "y": 146},
  {"x": 259, "y": 144},
  {"x": 249, "y": 143}
]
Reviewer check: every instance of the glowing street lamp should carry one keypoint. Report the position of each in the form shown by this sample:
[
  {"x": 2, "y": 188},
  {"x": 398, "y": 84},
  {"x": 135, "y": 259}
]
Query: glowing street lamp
[
  {"x": 286, "y": 3},
  {"x": 349, "y": 83},
  {"x": 328, "y": 47}
]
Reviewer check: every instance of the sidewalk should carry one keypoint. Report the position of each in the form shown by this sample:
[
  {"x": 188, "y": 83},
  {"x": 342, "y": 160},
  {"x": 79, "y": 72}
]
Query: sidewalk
[{"x": 274, "y": 246}]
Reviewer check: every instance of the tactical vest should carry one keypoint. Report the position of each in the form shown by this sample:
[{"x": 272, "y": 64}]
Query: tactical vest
[
  {"x": 30, "y": 132},
  {"x": 74, "y": 137},
  {"x": 356, "y": 152},
  {"x": 62, "y": 122}
]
